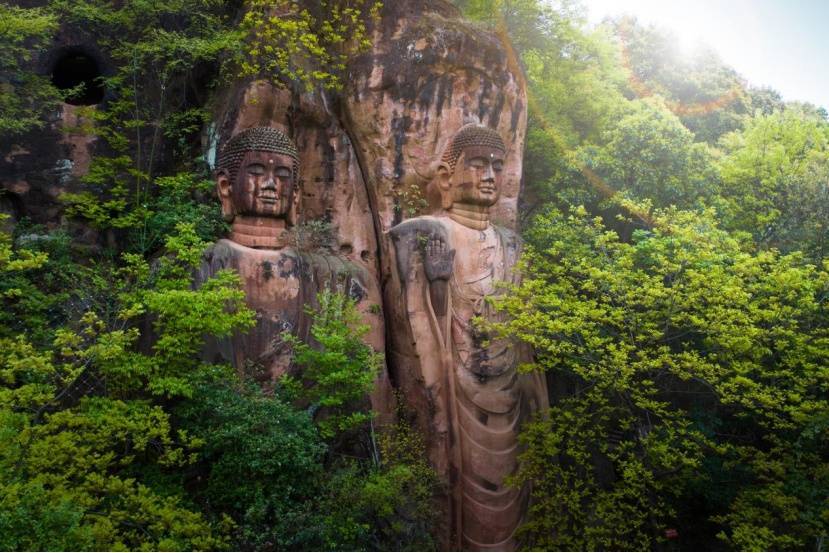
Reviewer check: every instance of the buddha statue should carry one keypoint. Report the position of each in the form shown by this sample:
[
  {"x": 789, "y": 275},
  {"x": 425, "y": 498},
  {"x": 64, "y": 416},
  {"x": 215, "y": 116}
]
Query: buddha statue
[
  {"x": 449, "y": 267},
  {"x": 258, "y": 181}
]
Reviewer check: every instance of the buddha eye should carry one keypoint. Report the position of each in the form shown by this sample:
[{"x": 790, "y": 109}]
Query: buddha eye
[
  {"x": 497, "y": 165},
  {"x": 477, "y": 162},
  {"x": 256, "y": 169},
  {"x": 283, "y": 172}
]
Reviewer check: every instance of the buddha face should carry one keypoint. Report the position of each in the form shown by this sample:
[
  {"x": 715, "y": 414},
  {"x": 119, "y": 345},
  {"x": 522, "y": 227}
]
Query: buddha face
[
  {"x": 477, "y": 177},
  {"x": 264, "y": 185}
]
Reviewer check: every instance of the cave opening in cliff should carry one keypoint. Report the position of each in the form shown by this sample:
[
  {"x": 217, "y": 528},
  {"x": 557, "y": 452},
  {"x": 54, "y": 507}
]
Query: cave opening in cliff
[{"x": 74, "y": 69}]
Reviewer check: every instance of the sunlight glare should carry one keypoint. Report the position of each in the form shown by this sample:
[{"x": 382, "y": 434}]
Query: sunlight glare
[{"x": 730, "y": 28}]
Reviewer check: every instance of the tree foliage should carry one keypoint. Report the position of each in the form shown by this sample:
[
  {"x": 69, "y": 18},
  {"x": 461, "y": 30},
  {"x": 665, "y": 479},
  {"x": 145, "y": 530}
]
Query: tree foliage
[
  {"x": 684, "y": 352},
  {"x": 338, "y": 367},
  {"x": 25, "y": 96},
  {"x": 648, "y": 153},
  {"x": 261, "y": 462},
  {"x": 308, "y": 44},
  {"x": 264, "y": 463},
  {"x": 78, "y": 416},
  {"x": 774, "y": 182},
  {"x": 117, "y": 438}
]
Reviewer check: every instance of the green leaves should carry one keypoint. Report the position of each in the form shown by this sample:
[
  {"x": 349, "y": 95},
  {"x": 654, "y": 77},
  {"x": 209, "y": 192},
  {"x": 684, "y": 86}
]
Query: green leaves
[
  {"x": 79, "y": 423},
  {"x": 772, "y": 176},
  {"x": 649, "y": 154},
  {"x": 25, "y": 97},
  {"x": 339, "y": 367},
  {"x": 284, "y": 41},
  {"x": 643, "y": 331},
  {"x": 265, "y": 464},
  {"x": 75, "y": 462},
  {"x": 262, "y": 461}
]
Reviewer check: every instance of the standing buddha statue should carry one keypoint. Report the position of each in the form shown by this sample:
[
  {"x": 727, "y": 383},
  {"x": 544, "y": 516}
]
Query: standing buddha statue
[{"x": 450, "y": 266}]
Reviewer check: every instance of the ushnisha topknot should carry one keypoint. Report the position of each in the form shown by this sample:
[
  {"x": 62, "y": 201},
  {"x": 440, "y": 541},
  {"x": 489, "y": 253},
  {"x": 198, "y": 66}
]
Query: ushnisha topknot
[
  {"x": 472, "y": 135},
  {"x": 263, "y": 139}
]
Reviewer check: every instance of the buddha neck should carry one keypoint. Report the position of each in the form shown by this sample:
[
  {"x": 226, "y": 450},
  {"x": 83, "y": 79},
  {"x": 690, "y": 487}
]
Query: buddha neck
[
  {"x": 472, "y": 216},
  {"x": 258, "y": 232}
]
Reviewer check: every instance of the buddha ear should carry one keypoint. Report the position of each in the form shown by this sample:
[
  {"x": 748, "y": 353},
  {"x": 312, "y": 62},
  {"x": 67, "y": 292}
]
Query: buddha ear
[
  {"x": 294, "y": 209},
  {"x": 444, "y": 181},
  {"x": 444, "y": 176},
  {"x": 223, "y": 189}
]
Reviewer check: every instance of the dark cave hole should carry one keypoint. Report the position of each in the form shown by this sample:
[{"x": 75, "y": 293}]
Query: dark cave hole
[{"x": 76, "y": 68}]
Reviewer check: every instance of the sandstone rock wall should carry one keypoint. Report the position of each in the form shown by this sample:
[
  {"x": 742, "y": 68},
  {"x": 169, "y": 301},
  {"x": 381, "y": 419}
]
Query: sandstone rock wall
[
  {"x": 428, "y": 73},
  {"x": 368, "y": 155},
  {"x": 40, "y": 165},
  {"x": 332, "y": 189}
]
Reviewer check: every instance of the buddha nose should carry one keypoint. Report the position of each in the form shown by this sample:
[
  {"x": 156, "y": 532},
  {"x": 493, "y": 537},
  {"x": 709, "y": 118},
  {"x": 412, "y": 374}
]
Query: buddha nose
[
  {"x": 270, "y": 184},
  {"x": 489, "y": 173}
]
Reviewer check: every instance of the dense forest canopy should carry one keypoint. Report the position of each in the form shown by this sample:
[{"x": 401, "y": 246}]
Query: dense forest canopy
[{"x": 675, "y": 289}]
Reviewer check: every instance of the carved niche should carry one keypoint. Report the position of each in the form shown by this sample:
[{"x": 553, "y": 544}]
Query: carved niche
[{"x": 259, "y": 183}]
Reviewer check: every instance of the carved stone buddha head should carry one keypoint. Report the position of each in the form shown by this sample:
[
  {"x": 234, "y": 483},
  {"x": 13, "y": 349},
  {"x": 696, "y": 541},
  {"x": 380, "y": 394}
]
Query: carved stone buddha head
[
  {"x": 470, "y": 175},
  {"x": 257, "y": 177}
]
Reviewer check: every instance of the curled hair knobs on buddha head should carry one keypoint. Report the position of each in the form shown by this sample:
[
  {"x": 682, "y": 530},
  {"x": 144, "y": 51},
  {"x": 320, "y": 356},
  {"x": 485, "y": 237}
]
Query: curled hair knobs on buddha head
[
  {"x": 262, "y": 139},
  {"x": 471, "y": 135}
]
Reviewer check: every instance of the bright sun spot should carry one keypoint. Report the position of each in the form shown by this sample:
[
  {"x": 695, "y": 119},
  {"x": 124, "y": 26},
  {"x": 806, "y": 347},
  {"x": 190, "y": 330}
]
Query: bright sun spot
[
  {"x": 694, "y": 24},
  {"x": 735, "y": 29},
  {"x": 777, "y": 43}
]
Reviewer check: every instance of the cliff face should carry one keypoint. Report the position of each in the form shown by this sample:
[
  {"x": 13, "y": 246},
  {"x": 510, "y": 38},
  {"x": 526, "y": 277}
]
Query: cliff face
[
  {"x": 370, "y": 151},
  {"x": 368, "y": 157},
  {"x": 37, "y": 167},
  {"x": 427, "y": 74}
]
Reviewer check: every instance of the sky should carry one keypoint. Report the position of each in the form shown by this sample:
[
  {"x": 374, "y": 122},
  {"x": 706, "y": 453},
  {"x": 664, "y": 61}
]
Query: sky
[{"x": 783, "y": 44}]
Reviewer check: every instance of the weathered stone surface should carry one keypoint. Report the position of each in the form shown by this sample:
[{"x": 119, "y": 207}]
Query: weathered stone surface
[
  {"x": 278, "y": 284},
  {"x": 369, "y": 160},
  {"x": 447, "y": 268},
  {"x": 331, "y": 194},
  {"x": 40, "y": 166},
  {"x": 429, "y": 73}
]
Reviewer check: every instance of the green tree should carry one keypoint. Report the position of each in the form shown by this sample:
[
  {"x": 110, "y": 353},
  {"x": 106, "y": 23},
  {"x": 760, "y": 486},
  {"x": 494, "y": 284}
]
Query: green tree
[
  {"x": 385, "y": 505},
  {"x": 690, "y": 373},
  {"x": 774, "y": 176},
  {"x": 648, "y": 154},
  {"x": 708, "y": 96},
  {"x": 766, "y": 99},
  {"x": 81, "y": 416},
  {"x": 299, "y": 467},
  {"x": 338, "y": 367},
  {"x": 307, "y": 43},
  {"x": 25, "y": 96},
  {"x": 261, "y": 463}
]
